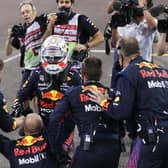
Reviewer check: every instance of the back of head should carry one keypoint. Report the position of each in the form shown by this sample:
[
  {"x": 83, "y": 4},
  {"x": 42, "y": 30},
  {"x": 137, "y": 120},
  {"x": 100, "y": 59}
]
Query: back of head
[
  {"x": 128, "y": 46},
  {"x": 33, "y": 124},
  {"x": 92, "y": 68},
  {"x": 54, "y": 54}
]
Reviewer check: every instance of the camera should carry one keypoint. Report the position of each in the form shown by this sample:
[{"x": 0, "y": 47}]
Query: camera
[
  {"x": 79, "y": 56},
  {"x": 62, "y": 16},
  {"x": 163, "y": 25},
  {"x": 127, "y": 10},
  {"x": 18, "y": 31}
]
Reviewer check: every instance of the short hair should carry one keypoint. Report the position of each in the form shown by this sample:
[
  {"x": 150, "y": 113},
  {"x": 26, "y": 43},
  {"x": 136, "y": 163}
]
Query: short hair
[
  {"x": 1, "y": 64},
  {"x": 72, "y": 1},
  {"x": 27, "y": 2},
  {"x": 129, "y": 46},
  {"x": 92, "y": 68}
]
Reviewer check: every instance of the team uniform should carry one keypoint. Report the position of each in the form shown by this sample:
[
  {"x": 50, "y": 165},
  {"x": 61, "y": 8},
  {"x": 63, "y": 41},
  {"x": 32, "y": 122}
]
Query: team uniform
[
  {"x": 27, "y": 152},
  {"x": 7, "y": 123},
  {"x": 49, "y": 89},
  {"x": 141, "y": 91},
  {"x": 99, "y": 134}
]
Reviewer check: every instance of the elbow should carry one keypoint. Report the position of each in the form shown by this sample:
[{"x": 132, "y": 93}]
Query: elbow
[{"x": 99, "y": 37}]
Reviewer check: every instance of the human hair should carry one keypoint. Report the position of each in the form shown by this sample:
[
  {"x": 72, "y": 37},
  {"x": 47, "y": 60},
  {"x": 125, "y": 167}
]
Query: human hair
[
  {"x": 1, "y": 64},
  {"x": 27, "y": 2},
  {"x": 92, "y": 68},
  {"x": 128, "y": 46},
  {"x": 72, "y": 1}
]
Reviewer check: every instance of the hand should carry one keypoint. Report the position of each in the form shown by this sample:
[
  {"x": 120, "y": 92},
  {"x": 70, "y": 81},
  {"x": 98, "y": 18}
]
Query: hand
[
  {"x": 52, "y": 18},
  {"x": 80, "y": 47},
  {"x": 97, "y": 96},
  {"x": 18, "y": 108}
]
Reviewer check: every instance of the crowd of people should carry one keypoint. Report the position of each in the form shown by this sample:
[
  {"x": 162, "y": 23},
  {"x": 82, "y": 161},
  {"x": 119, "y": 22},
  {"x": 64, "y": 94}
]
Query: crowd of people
[{"x": 62, "y": 80}]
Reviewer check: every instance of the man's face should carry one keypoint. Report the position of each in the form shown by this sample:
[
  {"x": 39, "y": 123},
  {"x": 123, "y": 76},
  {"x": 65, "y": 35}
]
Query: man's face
[
  {"x": 27, "y": 13},
  {"x": 64, "y": 3}
]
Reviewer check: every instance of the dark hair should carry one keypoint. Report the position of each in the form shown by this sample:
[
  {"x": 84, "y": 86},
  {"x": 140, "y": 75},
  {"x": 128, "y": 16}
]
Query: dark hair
[
  {"x": 92, "y": 68},
  {"x": 129, "y": 46},
  {"x": 72, "y": 1},
  {"x": 1, "y": 65}
]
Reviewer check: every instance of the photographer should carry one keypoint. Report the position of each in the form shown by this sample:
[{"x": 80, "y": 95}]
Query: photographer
[
  {"x": 27, "y": 37},
  {"x": 75, "y": 28},
  {"x": 137, "y": 23},
  {"x": 141, "y": 91}
]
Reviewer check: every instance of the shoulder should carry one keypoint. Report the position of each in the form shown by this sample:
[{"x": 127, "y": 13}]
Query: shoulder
[
  {"x": 40, "y": 18},
  {"x": 84, "y": 19}
]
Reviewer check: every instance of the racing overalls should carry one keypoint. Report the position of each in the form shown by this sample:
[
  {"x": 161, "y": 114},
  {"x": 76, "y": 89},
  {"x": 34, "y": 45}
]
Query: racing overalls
[
  {"x": 27, "y": 152},
  {"x": 7, "y": 123}
]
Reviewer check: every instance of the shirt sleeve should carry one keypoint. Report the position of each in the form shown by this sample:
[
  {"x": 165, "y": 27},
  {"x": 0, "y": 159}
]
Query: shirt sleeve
[
  {"x": 5, "y": 146},
  {"x": 86, "y": 28},
  {"x": 122, "y": 105},
  {"x": 28, "y": 87}
]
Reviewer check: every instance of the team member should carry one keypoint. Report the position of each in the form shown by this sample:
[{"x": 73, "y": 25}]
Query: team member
[
  {"x": 141, "y": 91},
  {"x": 50, "y": 82},
  {"x": 32, "y": 149},
  {"x": 7, "y": 123},
  {"x": 99, "y": 134}
]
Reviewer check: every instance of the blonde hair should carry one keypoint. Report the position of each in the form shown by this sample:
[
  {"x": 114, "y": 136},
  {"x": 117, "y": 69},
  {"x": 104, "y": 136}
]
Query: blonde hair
[{"x": 27, "y": 2}]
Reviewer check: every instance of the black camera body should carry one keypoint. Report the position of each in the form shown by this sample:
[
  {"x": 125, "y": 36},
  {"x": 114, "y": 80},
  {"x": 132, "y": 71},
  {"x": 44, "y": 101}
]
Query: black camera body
[
  {"x": 163, "y": 25},
  {"x": 127, "y": 11},
  {"x": 18, "y": 31}
]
